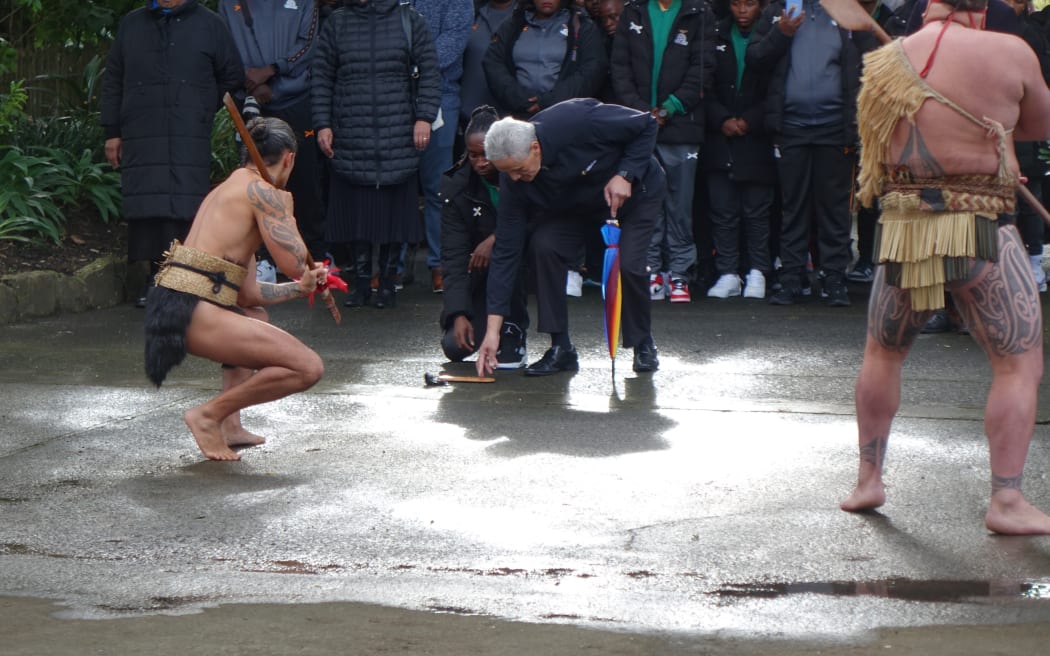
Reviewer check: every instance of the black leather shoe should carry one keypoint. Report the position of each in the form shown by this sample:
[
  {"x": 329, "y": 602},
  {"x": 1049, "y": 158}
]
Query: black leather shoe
[
  {"x": 554, "y": 360},
  {"x": 645, "y": 357}
]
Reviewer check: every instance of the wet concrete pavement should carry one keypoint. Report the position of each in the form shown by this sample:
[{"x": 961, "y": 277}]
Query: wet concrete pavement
[{"x": 684, "y": 510}]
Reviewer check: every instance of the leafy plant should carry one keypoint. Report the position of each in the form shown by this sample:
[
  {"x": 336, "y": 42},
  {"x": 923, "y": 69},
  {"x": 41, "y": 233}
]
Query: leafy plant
[
  {"x": 11, "y": 106},
  {"x": 31, "y": 190},
  {"x": 37, "y": 187},
  {"x": 225, "y": 151}
]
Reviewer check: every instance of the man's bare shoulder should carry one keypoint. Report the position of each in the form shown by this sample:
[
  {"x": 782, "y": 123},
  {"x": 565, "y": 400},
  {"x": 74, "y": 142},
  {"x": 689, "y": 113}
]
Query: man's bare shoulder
[{"x": 968, "y": 62}]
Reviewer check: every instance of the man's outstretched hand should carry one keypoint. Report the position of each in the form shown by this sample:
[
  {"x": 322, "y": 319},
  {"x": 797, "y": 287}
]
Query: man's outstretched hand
[{"x": 617, "y": 191}]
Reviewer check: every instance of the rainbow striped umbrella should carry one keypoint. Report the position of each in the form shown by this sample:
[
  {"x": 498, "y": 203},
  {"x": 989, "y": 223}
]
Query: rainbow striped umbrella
[{"x": 611, "y": 288}]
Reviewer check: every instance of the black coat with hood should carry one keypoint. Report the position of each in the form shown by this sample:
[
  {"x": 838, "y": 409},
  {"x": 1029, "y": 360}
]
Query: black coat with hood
[
  {"x": 583, "y": 70},
  {"x": 165, "y": 77},
  {"x": 770, "y": 50},
  {"x": 748, "y": 158},
  {"x": 468, "y": 217},
  {"x": 686, "y": 71},
  {"x": 361, "y": 90}
]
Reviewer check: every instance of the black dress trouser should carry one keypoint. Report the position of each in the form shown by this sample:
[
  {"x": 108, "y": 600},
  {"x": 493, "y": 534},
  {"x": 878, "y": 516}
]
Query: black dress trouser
[
  {"x": 557, "y": 236},
  {"x": 815, "y": 180}
]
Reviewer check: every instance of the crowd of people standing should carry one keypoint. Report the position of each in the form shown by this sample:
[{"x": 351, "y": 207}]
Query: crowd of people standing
[{"x": 756, "y": 108}]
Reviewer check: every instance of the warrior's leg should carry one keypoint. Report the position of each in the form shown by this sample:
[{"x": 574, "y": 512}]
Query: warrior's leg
[
  {"x": 892, "y": 328},
  {"x": 1001, "y": 307},
  {"x": 283, "y": 365},
  {"x": 233, "y": 431}
]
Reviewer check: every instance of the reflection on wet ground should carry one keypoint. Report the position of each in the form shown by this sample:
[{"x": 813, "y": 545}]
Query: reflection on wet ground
[{"x": 905, "y": 589}]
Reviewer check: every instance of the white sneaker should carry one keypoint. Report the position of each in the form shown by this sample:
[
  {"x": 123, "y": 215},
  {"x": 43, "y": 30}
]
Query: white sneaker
[
  {"x": 728, "y": 285},
  {"x": 657, "y": 287},
  {"x": 265, "y": 271},
  {"x": 1038, "y": 272},
  {"x": 755, "y": 285},
  {"x": 574, "y": 284}
]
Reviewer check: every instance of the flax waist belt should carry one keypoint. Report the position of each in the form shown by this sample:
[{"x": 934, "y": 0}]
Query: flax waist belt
[
  {"x": 211, "y": 278},
  {"x": 931, "y": 228}
]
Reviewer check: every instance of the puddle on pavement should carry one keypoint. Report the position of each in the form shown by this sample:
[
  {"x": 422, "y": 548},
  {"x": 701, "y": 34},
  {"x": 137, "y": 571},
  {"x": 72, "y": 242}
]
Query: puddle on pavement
[{"x": 904, "y": 589}]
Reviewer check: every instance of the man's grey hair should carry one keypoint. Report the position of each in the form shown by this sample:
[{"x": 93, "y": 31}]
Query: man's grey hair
[{"x": 509, "y": 137}]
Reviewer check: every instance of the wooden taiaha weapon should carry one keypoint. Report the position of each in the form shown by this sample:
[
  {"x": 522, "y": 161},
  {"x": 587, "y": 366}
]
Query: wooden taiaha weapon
[
  {"x": 851, "y": 16},
  {"x": 253, "y": 152},
  {"x": 441, "y": 379}
]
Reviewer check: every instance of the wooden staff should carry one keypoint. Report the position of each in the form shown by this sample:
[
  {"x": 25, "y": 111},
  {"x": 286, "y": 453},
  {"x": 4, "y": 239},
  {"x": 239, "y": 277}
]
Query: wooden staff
[
  {"x": 851, "y": 16},
  {"x": 253, "y": 152}
]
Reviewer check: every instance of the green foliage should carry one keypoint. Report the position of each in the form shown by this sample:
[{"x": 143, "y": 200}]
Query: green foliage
[
  {"x": 8, "y": 57},
  {"x": 12, "y": 104},
  {"x": 37, "y": 186},
  {"x": 32, "y": 188},
  {"x": 225, "y": 154}
]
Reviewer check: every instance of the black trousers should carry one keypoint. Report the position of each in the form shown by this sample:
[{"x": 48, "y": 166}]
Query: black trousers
[
  {"x": 739, "y": 209},
  {"x": 557, "y": 237},
  {"x": 815, "y": 180},
  {"x": 306, "y": 183}
]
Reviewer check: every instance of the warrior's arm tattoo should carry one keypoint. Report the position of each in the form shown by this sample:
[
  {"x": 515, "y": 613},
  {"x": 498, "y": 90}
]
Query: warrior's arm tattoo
[
  {"x": 277, "y": 224},
  {"x": 916, "y": 154},
  {"x": 283, "y": 292}
]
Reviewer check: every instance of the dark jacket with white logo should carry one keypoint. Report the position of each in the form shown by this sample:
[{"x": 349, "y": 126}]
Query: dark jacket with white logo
[{"x": 686, "y": 71}]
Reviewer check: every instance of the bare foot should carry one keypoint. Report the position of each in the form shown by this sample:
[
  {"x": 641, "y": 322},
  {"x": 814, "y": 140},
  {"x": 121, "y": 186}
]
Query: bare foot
[
  {"x": 237, "y": 435},
  {"x": 209, "y": 436},
  {"x": 240, "y": 436},
  {"x": 1009, "y": 513},
  {"x": 866, "y": 496}
]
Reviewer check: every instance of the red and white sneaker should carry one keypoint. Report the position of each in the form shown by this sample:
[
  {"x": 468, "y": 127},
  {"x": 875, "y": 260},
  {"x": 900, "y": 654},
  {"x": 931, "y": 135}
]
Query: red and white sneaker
[
  {"x": 680, "y": 291},
  {"x": 657, "y": 288}
]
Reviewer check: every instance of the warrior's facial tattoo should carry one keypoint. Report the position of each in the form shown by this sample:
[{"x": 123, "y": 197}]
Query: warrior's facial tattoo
[
  {"x": 917, "y": 156},
  {"x": 278, "y": 225}
]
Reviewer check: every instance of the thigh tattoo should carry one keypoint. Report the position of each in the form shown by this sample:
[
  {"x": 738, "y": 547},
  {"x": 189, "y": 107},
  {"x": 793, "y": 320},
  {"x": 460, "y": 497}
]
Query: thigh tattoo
[
  {"x": 1000, "y": 301},
  {"x": 891, "y": 321}
]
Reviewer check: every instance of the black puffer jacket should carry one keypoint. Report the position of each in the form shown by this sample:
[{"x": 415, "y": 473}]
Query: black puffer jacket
[
  {"x": 748, "y": 158},
  {"x": 361, "y": 90},
  {"x": 770, "y": 50},
  {"x": 686, "y": 70},
  {"x": 468, "y": 217},
  {"x": 582, "y": 74},
  {"x": 164, "y": 81}
]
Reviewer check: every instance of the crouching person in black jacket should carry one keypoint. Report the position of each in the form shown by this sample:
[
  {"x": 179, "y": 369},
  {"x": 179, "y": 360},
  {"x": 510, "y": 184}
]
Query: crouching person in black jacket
[{"x": 469, "y": 197}]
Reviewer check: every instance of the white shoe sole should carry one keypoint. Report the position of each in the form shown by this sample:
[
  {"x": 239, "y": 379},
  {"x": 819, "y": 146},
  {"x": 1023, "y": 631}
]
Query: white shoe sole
[{"x": 720, "y": 295}]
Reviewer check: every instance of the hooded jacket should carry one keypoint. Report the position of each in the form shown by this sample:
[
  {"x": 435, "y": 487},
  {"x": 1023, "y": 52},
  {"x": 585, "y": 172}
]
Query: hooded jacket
[
  {"x": 361, "y": 90},
  {"x": 748, "y": 158},
  {"x": 770, "y": 51},
  {"x": 582, "y": 71},
  {"x": 166, "y": 73},
  {"x": 688, "y": 64},
  {"x": 281, "y": 34},
  {"x": 468, "y": 217}
]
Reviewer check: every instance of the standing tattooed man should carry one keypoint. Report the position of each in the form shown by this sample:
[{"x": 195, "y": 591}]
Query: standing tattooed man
[
  {"x": 945, "y": 174},
  {"x": 217, "y": 264}
]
